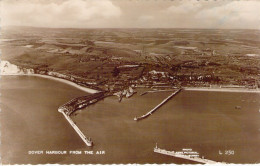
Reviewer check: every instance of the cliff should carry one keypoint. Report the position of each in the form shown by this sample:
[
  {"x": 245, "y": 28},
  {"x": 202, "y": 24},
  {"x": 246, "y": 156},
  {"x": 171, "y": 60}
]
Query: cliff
[{"x": 6, "y": 68}]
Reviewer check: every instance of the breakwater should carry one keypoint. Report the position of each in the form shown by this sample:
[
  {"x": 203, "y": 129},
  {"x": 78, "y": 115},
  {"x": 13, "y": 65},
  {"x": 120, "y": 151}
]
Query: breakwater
[
  {"x": 78, "y": 103},
  {"x": 158, "y": 106},
  {"x": 86, "y": 140}
]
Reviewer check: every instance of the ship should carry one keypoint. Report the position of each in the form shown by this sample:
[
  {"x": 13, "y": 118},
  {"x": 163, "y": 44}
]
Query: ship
[{"x": 187, "y": 154}]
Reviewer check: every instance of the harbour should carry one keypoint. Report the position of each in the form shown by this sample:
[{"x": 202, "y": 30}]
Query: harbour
[
  {"x": 102, "y": 82},
  {"x": 206, "y": 128}
]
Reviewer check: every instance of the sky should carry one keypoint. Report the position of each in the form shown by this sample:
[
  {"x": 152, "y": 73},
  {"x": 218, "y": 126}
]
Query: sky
[{"x": 208, "y": 14}]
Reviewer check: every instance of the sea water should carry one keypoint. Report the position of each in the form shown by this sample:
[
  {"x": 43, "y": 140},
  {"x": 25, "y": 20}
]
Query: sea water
[{"x": 33, "y": 131}]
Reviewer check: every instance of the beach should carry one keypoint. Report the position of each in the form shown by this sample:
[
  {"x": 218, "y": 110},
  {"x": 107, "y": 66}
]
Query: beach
[
  {"x": 11, "y": 69},
  {"x": 88, "y": 90}
]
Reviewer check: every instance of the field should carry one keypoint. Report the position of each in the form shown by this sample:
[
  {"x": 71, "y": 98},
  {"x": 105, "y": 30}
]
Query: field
[{"x": 112, "y": 59}]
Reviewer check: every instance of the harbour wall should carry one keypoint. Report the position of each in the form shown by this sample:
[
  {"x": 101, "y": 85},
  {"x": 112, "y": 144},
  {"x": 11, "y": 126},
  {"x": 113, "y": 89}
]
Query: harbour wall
[
  {"x": 87, "y": 141},
  {"x": 158, "y": 106}
]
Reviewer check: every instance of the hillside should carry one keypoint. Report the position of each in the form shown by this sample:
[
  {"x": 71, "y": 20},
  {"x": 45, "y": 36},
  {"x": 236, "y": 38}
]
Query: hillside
[{"x": 189, "y": 57}]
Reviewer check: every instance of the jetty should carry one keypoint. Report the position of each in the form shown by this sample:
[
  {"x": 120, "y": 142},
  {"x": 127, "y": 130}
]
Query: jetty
[
  {"x": 158, "y": 106},
  {"x": 86, "y": 140},
  {"x": 188, "y": 155}
]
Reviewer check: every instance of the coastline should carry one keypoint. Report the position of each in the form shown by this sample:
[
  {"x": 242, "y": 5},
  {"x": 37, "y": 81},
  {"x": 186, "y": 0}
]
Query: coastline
[
  {"x": 241, "y": 90},
  {"x": 92, "y": 91},
  {"x": 88, "y": 90}
]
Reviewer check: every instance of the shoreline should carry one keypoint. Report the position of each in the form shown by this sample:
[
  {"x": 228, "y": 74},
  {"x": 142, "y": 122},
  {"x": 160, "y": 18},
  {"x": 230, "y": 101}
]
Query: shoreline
[
  {"x": 88, "y": 90},
  {"x": 92, "y": 91},
  {"x": 243, "y": 90}
]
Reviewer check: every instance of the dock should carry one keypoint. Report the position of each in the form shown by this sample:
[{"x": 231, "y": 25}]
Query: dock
[
  {"x": 158, "y": 106},
  {"x": 86, "y": 140},
  {"x": 81, "y": 102},
  {"x": 183, "y": 156}
]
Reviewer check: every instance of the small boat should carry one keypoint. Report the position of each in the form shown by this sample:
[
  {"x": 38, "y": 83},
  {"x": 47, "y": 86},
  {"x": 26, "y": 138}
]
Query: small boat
[{"x": 238, "y": 107}]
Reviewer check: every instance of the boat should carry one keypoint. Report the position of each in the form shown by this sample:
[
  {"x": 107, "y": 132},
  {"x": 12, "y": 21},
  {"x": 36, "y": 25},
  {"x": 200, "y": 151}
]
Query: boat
[
  {"x": 187, "y": 154},
  {"x": 238, "y": 107}
]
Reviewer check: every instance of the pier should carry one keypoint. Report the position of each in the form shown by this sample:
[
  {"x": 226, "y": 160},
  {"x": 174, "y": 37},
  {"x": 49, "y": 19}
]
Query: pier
[
  {"x": 87, "y": 141},
  {"x": 79, "y": 103},
  {"x": 195, "y": 158},
  {"x": 158, "y": 106}
]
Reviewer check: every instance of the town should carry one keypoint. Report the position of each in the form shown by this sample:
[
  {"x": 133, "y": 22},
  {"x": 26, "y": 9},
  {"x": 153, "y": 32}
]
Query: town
[{"x": 107, "y": 60}]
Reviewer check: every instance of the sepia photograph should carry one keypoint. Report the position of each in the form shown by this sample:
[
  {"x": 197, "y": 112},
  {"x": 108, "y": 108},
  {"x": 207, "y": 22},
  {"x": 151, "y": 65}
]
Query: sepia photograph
[{"x": 130, "y": 82}]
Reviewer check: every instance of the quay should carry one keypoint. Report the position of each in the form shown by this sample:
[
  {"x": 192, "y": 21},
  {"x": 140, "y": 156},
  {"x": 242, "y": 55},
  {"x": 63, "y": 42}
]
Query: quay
[
  {"x": 195, "y": 158},
  {"x": 158, "y": 106},
  {"x": 81, "y": 102},
  {"x": 86, "y": 140}
]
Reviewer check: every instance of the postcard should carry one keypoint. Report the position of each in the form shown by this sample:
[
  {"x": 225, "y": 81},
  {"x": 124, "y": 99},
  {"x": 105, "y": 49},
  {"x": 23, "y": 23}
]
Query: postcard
[{"x": 130, "y": 82}]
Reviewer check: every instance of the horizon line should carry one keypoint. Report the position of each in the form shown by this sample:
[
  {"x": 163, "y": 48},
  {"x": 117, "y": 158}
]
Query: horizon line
[{"x": 22, "y": 26}]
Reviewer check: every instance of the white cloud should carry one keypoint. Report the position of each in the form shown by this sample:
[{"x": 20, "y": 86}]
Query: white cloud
[
  {"x": 215, "y": 14},
  {"x": 126, "y": 13},
  {"x": 243, "y": 14},
  {"x": 69, "y": 13},
  {"x": 186, "y": 7}
]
